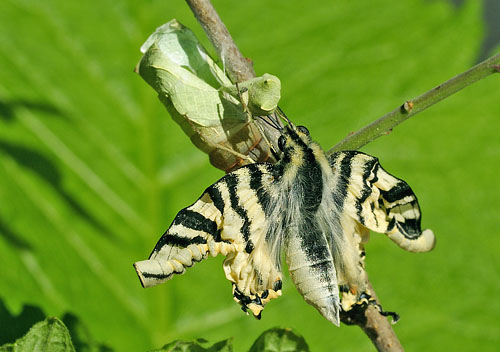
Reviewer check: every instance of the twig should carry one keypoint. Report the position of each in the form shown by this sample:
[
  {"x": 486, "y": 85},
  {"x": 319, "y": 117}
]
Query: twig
[
  {"x": 238, "y": 68},
  {"x": 376, "y": 326},
  {"x": 390, "y": 120},
  {"x": 378, "y": 329}
]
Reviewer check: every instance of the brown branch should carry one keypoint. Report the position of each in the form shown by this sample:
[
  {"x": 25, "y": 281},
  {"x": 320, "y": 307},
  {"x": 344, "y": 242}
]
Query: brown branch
[
  {"x": 238, "y": 68},
  {"x": 379, "y": 329},
  {"x": 376, "y": 326}
]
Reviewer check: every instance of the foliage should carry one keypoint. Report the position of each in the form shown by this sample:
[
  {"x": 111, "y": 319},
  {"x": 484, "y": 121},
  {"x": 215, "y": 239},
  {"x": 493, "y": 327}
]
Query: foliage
[
  {"x": 196, "y": 346},
  {"x": 48, "y": 335},
  {"x": 280, "y": 340},
  {"x": 92, "y": 169},
  {"x": 52, "y": 335}
]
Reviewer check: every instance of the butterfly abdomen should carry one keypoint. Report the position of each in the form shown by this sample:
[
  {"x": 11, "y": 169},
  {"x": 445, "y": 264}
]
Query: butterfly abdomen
[{"x": 312, "y": 269}]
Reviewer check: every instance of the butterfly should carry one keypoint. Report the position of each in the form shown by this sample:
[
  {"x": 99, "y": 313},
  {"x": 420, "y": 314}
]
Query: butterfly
[{"x": 317, "y": 209}]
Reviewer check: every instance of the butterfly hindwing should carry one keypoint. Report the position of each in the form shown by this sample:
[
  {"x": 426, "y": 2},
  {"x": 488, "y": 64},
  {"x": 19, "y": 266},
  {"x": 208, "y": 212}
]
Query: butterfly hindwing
[{"x": 254, "y": 270}]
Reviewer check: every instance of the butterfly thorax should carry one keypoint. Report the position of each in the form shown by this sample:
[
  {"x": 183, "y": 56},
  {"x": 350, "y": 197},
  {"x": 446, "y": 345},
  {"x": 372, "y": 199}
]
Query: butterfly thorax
[{"x": 300, "y": 170}]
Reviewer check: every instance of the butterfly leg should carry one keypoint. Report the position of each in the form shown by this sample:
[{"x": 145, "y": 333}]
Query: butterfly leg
[
  {"x": 354, "y": 313},
  {"x": 255, "y": 303}
]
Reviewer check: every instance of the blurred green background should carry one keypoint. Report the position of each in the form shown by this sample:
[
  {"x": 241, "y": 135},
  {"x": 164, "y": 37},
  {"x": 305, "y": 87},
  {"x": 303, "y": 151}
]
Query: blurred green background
[{"x": 92, "y": 168}]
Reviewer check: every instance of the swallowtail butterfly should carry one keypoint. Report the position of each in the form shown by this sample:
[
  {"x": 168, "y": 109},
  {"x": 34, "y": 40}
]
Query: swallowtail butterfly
[{"x": 318, "y": 209}]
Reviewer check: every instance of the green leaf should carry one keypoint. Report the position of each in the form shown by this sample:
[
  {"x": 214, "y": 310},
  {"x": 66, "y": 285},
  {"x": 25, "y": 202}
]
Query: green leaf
[
  {"x": 197, "y": 346},
  {"x": 186, "y": 78},
  {"x": 48, "y": 335},
  {"x": 192, "y": 98},
  {"x": 280, "y": 340}
]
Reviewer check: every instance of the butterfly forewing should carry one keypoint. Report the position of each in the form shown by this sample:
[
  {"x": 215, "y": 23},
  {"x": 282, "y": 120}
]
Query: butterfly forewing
[
  {"x": 228, "y": 219},
  {"x": 379, "y": 201}
]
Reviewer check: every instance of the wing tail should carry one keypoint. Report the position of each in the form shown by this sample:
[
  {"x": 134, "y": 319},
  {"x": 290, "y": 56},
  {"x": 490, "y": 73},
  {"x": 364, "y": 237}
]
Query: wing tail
[{"x": 423, "y": 243}]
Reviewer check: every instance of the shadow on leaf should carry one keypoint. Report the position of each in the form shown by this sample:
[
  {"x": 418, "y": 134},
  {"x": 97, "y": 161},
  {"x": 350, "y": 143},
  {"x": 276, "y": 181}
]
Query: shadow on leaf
[
  {"x": 12, "y": 237},
  {"x": 16, "y": 327},
  {"x": 8, "y": 108},
  {"x": 46, "y": 170},
  {"x": 13, "y": 327},
  {"x": 80, "y": 335}
]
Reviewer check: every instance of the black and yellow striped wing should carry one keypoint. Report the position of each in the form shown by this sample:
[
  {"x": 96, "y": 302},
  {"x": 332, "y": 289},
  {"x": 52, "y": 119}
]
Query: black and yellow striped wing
[{"x": 227, "y": 219}]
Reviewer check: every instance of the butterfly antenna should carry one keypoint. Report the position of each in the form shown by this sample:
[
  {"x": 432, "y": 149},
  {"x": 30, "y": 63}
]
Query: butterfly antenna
[
  {"x": 282, "y": 114},
  {"x": 274, "y": 120},
  {"x": 270, "y": 120}
]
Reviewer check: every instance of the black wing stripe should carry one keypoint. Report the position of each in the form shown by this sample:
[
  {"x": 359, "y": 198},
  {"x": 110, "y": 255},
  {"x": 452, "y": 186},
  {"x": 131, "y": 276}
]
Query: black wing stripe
[
  {"x": 340, "y": 193},
  {"x": 175, "y": 240},
  {"x": 216, "y": 197},
  {"x": 366, "y": 191},
  {"x": 410, "y": 228},
  {"x": 399, "y": 191},
  {"x": 375, "y": 169},
  {"x": 232, "y": 185},
  {"x": 195, "y": 221},
  {"x": 256, "y": 185},
  {"x": 157, "y": 276}
]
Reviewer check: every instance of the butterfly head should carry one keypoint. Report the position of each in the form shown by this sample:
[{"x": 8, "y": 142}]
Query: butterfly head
[{"x": 293, "y": 139}]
